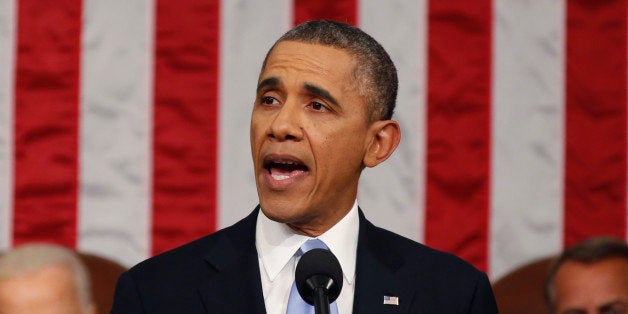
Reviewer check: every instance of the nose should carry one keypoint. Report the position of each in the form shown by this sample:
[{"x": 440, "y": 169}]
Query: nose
[{"x": 286, "y": 124}]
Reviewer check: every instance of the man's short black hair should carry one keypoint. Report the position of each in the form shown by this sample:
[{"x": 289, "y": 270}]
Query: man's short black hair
[{"x": 375, "y": 72}]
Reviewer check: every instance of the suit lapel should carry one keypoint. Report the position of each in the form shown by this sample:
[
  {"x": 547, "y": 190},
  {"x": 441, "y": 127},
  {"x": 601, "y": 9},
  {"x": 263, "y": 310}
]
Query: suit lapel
[
  {"x": 232, "y": 264},
  {"x": 377, "y": 274}
]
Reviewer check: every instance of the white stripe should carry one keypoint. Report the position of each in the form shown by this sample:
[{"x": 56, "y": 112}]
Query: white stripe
[
  {"x": 8, "y": 28},
  {"x": 116, "y": 129},
  {"x": 248, "y": 30},
  {"x": 392, "y": 193},
  {"x": 528, "y": 114}
]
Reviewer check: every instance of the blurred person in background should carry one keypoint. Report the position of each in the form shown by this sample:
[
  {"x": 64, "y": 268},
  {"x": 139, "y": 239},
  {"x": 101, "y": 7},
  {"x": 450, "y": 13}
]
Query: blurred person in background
[
  {"x": 590, "y": 277},
  {"x": 43, "y": 278}
]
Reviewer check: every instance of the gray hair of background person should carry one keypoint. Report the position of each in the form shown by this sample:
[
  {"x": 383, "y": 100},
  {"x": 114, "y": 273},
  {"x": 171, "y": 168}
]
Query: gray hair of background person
[
  {"x": 30, "y": 258},
  {"x": 586, "y": 252},
  {"x": 375, "y": 72}
]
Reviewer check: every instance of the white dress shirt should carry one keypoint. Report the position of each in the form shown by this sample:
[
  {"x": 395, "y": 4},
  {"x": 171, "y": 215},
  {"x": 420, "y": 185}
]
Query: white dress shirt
[{"x": 276, "y": 244}]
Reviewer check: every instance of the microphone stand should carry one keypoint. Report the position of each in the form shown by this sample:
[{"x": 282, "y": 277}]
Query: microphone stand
[
  {"x": 320, "y": 284},
  {"x": 321, "y": 302}
]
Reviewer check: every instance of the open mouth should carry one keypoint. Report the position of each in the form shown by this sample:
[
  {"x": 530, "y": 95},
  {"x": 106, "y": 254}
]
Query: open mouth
[{"x": 284, "y": 168}]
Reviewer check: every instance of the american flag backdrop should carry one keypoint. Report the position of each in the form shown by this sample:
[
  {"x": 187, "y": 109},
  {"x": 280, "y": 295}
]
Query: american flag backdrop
[{"x": 124, "y": 124}]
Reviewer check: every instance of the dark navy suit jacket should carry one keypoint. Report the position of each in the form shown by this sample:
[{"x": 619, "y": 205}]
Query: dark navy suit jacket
[{"x": 219, "y": 273}]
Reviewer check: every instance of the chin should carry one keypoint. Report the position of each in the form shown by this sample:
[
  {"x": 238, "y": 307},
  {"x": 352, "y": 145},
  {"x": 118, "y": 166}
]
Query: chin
[
  {"x": 283, "y": 212},
  {"x": 280, "y": 216}
]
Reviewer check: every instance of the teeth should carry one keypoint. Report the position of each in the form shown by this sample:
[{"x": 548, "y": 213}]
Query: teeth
[
  {"x": 286, "y": 162},
  {"x": 279, "y": 177}
]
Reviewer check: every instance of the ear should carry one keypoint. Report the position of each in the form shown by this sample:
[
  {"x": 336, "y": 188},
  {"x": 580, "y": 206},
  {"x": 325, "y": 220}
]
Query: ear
[{"x": 384, "y": 136}]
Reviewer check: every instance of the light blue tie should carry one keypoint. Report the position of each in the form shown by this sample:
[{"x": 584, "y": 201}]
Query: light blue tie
[{"x": 296, "y": 304}]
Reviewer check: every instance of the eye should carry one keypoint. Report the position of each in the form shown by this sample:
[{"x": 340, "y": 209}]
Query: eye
[
  {"x": 317, "y": 106},
  {"x": 267, "y": 100}
]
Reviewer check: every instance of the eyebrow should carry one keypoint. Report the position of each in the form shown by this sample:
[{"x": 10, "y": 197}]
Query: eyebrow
[
  {"x": 574, "y": 311},
  {"x": 311, "y": 88},
  {"x": 610, "y": 305},
  {"x": 271, "y": 81},
  {"x": 320, "y": 92}
]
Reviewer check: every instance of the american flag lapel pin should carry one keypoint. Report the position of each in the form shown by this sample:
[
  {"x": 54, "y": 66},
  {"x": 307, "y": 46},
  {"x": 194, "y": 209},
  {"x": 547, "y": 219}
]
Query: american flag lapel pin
[{"x": 391, "y": 300}]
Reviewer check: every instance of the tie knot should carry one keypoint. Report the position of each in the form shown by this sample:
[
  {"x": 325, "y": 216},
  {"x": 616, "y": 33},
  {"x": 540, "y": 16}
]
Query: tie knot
[{"x": 312, "y": 244}]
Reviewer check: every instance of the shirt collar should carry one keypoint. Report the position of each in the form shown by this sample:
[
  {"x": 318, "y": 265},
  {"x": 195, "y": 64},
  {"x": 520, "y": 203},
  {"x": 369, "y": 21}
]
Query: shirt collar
[{"x": 276, "y": 243}]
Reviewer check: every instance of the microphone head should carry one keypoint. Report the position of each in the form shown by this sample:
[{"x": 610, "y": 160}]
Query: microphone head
[{"x": 314, "y": 265}]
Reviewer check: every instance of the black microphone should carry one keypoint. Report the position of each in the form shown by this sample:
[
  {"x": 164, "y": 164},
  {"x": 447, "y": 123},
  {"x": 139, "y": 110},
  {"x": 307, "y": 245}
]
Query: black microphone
[{"x": 319, "y": 279}]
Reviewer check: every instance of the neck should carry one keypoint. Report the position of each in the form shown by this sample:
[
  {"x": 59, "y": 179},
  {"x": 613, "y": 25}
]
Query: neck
[{"x": 318, "y": 225}]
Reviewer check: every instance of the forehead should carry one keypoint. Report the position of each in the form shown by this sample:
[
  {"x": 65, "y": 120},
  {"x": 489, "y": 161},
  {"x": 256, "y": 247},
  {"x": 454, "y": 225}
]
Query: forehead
[
  {"x": 578, "y": 284},
  {"x": 615, "y": 267},
  {"x": 49, "y": 286},
  {"x": 299, "y": 60},
  {"x": 52, "y": 275}
]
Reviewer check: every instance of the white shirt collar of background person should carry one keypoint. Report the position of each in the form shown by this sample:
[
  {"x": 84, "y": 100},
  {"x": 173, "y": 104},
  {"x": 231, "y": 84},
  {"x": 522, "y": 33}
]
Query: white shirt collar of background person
[{"x": 276, "y": 244}]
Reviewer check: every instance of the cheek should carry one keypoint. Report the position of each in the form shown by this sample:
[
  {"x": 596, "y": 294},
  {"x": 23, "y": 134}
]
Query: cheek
[
  {"x": 256, "y": 133},
  {"x": 341, "y": 150},
  {"x": 253, "y": 126}
]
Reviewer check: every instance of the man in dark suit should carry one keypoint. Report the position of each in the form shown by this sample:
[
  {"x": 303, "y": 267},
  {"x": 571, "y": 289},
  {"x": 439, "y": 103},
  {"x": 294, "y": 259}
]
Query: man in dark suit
[{"x": 325, "y": 98}]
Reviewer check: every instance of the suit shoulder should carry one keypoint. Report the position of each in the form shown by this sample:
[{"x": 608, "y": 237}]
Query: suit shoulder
[
  {"x": 193, "y": 255},
  {"x": 429, "y": 259},
  {"x": 441, "y": 279},
  {"x": 169, "y": 282},
  {"x": 171, "y": 261}
]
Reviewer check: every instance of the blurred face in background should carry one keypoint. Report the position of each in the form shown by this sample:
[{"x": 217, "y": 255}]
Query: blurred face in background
[
  {"x": 51, "y": 290},
  {"x": 600, "y": 287}
]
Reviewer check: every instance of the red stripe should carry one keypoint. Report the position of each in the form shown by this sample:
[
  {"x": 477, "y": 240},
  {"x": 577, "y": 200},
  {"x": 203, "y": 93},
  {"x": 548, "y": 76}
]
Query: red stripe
[
  {"x": 46, "y": 121},
  {"x": 458, "y": 124},
  {"x": 339, "y": 10},
  {"x": 185, "y": 121},
  {"x": 595, "y": 151}
]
